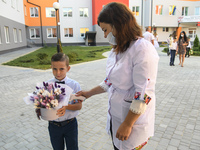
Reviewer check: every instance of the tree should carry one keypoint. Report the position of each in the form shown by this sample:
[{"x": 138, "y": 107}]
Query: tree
[{"x": 196, "y": 41}]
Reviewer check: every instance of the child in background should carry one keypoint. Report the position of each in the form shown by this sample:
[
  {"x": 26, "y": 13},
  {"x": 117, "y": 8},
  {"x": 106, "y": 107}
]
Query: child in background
[
  {"x": 173, "y": 50},
  {"x": 65, "y": 128},
  {"x": 188, "y": 48}
]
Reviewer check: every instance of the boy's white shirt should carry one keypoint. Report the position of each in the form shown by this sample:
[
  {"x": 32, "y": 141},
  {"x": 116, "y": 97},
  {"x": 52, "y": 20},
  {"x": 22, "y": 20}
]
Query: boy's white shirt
[
  {"x": 173, "y": 45},
  {"x": 76, "y": 87}
]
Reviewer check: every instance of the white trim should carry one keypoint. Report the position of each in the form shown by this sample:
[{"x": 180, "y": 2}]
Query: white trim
[
  {"x": 15, "y": 35},
  {"x": 34, "y": 35},
  {"x": 50, "y": 37},
  {"x": 7, "y": 37},
  {"x": 20, "y": 35}
]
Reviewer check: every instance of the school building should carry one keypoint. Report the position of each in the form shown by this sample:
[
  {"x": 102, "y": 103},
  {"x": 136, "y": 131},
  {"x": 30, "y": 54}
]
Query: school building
[{"x": 33, "y": 22}]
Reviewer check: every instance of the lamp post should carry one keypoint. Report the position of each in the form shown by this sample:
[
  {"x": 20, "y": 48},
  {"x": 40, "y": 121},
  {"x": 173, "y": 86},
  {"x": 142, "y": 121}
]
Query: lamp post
[{"x": 56, "y": 6}]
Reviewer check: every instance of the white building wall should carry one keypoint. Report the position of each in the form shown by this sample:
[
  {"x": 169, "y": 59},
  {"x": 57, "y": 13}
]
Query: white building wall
[
  {"x": 12, "y": 17},
  {"x": 137, "y": 3},
  {"x": 166, "y": 20},
  {"x": 76, "y": 22},
  {"x": 15, "y": 12}
]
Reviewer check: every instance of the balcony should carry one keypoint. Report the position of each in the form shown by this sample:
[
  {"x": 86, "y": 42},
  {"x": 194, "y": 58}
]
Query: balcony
[{"x": 189, "y": 19}]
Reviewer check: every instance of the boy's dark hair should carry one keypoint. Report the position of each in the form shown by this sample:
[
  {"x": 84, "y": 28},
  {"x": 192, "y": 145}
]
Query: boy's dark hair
[{"x": 60, "y": 57}]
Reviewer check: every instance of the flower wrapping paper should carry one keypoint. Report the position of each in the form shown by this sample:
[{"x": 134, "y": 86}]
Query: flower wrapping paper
[{"x": 63, "y": 102}]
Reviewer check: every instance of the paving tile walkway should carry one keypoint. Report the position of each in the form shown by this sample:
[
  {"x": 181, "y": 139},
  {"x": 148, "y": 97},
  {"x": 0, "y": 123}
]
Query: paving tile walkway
[{"x": 177, "y": 124}]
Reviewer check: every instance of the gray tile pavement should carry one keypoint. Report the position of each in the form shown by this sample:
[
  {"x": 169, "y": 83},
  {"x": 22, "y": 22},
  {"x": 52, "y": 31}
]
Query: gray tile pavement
[{"x": 177, "y": 124}]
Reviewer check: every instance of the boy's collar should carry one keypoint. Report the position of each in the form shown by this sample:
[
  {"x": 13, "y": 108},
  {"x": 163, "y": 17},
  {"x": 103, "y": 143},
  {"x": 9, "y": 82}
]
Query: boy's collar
[{"x": 65, "y": 79}]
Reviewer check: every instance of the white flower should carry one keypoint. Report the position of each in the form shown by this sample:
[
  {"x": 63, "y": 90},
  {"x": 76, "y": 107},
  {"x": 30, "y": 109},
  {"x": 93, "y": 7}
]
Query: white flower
[
  {"x": 39, "y": 92},
  {"x": 57, "y": 91},
  {"x": 54, "y": 103},
  {"x": 45, "y": 93}
]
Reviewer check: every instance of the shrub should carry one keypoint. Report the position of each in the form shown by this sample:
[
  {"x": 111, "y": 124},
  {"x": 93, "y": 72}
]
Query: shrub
[
  {"x": 196, "y": 53},
  {"x": 196, "y": 41},
  {"x": 72, "y": 56},
  {"x": 91, "y": 54},
  {"x": 42, "y": 56},
  {"x": 166, "y": 49},
  {"x": 195, "y": 48},
  {"x": 27, "y": 61},
  {"x": 45, "y": 62},
  {"x": 45, "y": 44}
]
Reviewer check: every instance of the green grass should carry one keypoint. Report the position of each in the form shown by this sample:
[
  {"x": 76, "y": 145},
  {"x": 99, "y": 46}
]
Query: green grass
[{"x": 77, "y": 54}]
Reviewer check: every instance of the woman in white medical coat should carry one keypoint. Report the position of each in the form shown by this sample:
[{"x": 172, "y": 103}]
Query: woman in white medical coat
[{"x": 130, "y": 79}]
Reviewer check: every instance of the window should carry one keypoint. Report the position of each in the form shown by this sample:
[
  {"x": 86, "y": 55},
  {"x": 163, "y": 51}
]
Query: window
[
  {"x": 82, "y": 31},
  {"x": 83, "y": 12},
  {"x": 166, "y": 29},
  {"x": 15, "y": 35},
  {"x": 0, "y": 36},
  {"x": 197, "y": 10},
  {"x": 6, "y": 29},
  {"x": 192, "y": 33},
  {"x": 34, "y": 11},
  {"x": 184, "y": 11},
  {"x": 68, "y": 32},
  {"x": 135, "y": 10},
  {"x": 25, "y": 10},
  {"x": 51, "y": 32},
  {"x": 172, "y": 10},
  {"x": 50, "y": 12},
  {"x": 159, "y": 9},
  {"x": 20, "y": 35},
  {"x": 13, "y": 3},
  {"x": 163, "y": 30},
  {"x": 34, "y": 33},
  {"x": 67, "y": 12},
  {"x": 17, "y": 5}
]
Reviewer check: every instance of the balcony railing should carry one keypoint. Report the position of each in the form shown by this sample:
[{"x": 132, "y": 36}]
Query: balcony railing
[{"x": 185, "y": 19}]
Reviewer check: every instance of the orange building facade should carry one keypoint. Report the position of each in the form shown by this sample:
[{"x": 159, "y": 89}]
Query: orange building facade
[{"x": 37, "y": 21}]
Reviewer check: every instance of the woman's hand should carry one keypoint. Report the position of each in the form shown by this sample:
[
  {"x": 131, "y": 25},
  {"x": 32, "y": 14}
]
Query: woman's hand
[
  {"x": 61, "y": 111},
  {"x": 86, "y": 94},
  {"x": 123, "y": 132}
]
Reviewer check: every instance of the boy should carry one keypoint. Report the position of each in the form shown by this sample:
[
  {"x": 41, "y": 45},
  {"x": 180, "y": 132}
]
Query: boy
[
  {"x": 64, "y": 128},
  {"x": 173, "y": 50}
]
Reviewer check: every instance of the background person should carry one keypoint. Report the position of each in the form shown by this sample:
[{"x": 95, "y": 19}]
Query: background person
[
  {"x": 148, "y": 35},
  {"x": 182, "y": 44},
  {"x": 188, "y": 48},
  {"x": 156, "y": 45},
  {"x": 131, "y": 76},
  {"x": 173, "y": 50}
]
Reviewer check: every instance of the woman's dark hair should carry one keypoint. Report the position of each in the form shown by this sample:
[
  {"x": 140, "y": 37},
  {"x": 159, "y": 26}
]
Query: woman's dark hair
[
  {"x": 60, "y": 57},
  {"x": 185, "y": 37},
  {"x": 120, "y": 16}
]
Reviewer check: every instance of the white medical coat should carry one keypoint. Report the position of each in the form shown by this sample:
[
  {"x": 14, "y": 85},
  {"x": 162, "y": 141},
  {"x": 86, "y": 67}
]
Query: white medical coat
[{"x": 128, "y": 75}]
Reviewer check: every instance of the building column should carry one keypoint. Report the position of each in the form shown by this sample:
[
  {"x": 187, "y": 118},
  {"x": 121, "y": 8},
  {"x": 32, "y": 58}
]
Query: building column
[{"x": 178, "y": 31}]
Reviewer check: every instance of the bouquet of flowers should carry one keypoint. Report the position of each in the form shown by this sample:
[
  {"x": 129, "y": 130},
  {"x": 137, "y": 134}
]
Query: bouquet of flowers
[{"x": 49, "y": 97}]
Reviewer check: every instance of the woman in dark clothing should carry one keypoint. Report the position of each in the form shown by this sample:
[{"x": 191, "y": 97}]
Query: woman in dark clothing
[{"x": 182, "y": 44}]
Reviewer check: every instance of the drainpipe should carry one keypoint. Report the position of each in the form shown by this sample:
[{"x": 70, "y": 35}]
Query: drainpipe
[
  {"x": 151, "y": 13},
  {"x": 142, "y": 15},
  {"x": 40, "y": 20}
]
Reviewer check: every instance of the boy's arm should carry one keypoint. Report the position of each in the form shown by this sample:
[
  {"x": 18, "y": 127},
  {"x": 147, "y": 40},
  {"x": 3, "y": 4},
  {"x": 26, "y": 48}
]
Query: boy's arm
[{"x": 77, "y": 106}]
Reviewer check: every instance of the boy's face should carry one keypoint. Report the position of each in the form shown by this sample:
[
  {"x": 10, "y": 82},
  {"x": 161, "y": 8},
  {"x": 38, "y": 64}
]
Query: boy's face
[{"x": 59, "y": 69}]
